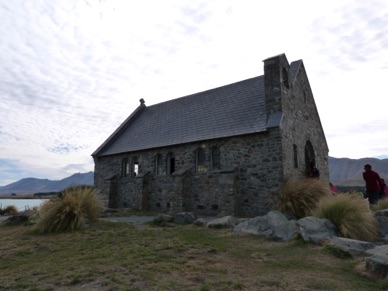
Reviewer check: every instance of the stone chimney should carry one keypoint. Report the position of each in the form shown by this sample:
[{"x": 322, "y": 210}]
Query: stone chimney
[{"x": 276, "y": 83}]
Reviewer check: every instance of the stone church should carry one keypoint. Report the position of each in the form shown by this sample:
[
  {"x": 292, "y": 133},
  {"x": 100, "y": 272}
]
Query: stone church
[{"x": 223, "y": 151}]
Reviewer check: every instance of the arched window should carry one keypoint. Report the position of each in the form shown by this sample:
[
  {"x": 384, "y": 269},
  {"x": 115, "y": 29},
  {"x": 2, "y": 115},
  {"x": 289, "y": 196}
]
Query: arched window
[
  {"x": 124, "y": 167},
  {"x": 295, "y": 155},
  {"x": 135, "y": 166},
  {"x": 309, "y": 156},
  {"x": 158, "y": 166},
  {"x": 200, "y": 161},
  {"x": 216, "y": 158},
  {"x": 170, "y": 163}
]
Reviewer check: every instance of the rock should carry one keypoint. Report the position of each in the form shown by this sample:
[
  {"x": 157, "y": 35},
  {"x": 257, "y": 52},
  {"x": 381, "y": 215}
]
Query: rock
[
  {"x": 273, "y": 225},
  {"x": 223, "y": 222},
  {"x": 201, "y": 222},
  {"x": 185, "y": 218},
  {"x": 383, "y": 225},
  {"x": 316, "y": 230},
  {"x": 165, "y": 217},
  {"x": 351, "y": 246},
  {"x": 377, "y": 250},
  {"x": 378, "y": 265}
]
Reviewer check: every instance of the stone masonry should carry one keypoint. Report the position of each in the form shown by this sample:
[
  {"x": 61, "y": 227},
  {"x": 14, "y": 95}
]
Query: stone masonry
[{"x": 253, "y": 166}]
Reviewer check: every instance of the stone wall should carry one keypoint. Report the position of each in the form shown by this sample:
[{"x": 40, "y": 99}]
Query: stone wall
[
  {"x": 301, "y": 123},
  {"x": 250, "y": 175},
  {"x": 253, "y": 167}
]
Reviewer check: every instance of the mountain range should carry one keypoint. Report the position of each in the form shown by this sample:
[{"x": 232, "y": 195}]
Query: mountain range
[
  {"x": 348, "y": 172},
  {"x": 343, "y": 172},
  {"x": 34, "y": 185}
]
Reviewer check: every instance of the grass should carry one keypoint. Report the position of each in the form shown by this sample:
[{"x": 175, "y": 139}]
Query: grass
[
  {"x": 382, "y": 205},
  {"x": 9, "y": 210},
  {"x": 119, "y": 256},
  {"x": 299, "y": 196},
  {"x": 69, "y": 211},
  {"x": 350, "y": 214}
]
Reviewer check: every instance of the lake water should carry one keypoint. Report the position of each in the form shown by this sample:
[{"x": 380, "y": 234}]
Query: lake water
[{"x": 21, "y": 204}]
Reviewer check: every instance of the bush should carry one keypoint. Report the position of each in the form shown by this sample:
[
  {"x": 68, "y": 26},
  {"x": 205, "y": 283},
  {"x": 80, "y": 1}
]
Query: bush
[
  {"x": 9, "y": 210},
  {"x": 351, "y": 215},
  {"x": 300, "y": 196},
  {"x": 69, "y": 211},
  {"x": 383, "y": 204}
]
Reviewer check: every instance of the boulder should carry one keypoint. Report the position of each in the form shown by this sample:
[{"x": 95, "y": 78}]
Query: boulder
[
  {"x": 165, "y": 217},
  {"x": 351, "y": 246},
  {"x": 223, "y": 222},
  {"x": 383, "y": 225},
  {"x": 200, "y": 222},
  {"x": 273, "y": 225},
  {"x": 378, "y": 265},
  {"x": 377, "y": 250},
  {"x": 185, "y": 218},
  {"x": 316, "y": 230}
]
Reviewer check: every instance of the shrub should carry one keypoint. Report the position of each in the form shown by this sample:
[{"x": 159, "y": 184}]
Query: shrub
[
  {"x": 300, "y": 196},
  {"x": 9, "y": 210},
  {"x": 69, "y": 211},
  {"x": 383, "y": 204},
  {"x": 351, "y": 215}
]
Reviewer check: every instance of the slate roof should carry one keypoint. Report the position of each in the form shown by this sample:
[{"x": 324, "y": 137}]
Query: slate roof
[{"x": 230, "y": 110}]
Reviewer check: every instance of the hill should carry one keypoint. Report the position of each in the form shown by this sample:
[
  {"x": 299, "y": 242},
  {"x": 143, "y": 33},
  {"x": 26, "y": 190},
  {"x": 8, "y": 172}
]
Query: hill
[
  {"x": 348, "y": 172},
  {"x": 343, "y": 172},
  {"x": 34, "y": 185}
]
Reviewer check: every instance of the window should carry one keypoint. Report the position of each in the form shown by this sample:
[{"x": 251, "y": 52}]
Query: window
[
  {"x": 158, "y": 166},
  {"x": 135, "y": 166},
  {"x": 295, "y": 155},
  {"x": 216, "y": 158},
  {"x": 200, "y": 161},
  {"x": 124, "y": 168},
  {"x": 170, "y": 163}
]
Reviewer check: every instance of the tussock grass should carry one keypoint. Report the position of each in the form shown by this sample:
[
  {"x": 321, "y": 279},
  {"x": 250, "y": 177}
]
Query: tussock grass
[
  {"x": 383, "y": 204},
  {"x": 350, "y": 214},
  {"x": 9, "y": 210},
  {"x": 299, "y": 196},
  {"x": 69, "y": 211}
]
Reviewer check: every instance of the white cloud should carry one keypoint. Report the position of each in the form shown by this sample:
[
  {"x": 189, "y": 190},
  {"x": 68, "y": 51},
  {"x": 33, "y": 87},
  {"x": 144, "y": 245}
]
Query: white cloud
[{"x": 72, "y": 71}]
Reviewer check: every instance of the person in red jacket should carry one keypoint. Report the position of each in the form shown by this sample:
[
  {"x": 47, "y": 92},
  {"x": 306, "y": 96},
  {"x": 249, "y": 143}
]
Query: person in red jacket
[{"x": 373, "y": 184}]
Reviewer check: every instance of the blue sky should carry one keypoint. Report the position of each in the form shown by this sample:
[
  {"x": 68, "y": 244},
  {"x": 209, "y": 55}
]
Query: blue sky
[{"x": 72, "y": 71}]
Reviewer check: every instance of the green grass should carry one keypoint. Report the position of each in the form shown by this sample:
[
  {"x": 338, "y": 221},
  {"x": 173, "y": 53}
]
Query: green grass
[{"x": 119, "y": 256}]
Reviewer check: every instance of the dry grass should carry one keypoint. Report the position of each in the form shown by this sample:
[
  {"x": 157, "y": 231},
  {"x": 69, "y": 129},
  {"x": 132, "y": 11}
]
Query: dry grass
[
  {"x": 350, "y": 214},
  {"x": 299, "y": 196},
  {"x": 383, "y": 204},
  {"x": 69, "y": 212},
  {"x": 117, "y": 256},
  {"x": 9, "y": 210}
]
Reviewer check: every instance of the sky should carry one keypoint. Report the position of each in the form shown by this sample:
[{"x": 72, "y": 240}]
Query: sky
[{"x": 72, "y": 71}]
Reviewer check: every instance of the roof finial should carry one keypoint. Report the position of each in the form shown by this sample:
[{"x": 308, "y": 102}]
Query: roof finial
[{"x": 142, "y": 101}]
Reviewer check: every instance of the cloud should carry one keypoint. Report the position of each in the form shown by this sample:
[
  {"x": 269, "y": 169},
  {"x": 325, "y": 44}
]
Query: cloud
[{"x": 73, "y": 71}]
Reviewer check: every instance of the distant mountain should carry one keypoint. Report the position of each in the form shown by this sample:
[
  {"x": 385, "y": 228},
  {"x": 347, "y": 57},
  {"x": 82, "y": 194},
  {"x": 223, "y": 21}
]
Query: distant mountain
[
  {"x": 343, "y": 172},
  {"x": 33, "y": 185},
  {"x": 348, "y": 172}
]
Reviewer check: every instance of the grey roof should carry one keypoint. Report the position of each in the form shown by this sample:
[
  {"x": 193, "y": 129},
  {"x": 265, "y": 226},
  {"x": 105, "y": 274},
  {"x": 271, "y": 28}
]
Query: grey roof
[{"x": 230, "y": 110}]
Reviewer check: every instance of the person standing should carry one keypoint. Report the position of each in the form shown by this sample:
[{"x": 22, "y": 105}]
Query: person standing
[{"x": 373, "y": 184}]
